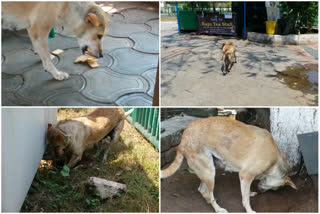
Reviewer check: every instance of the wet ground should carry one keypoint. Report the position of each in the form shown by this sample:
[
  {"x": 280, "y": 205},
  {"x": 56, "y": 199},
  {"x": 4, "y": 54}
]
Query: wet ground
[
  {"x": 126, "y": 75},
  {"x": 264, "y": 75},
  {"x": 179, "y": 193}
]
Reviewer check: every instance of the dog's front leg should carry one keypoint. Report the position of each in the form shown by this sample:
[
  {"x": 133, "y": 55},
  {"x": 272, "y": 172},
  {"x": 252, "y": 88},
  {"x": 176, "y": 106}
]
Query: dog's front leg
[
  {"x": 75, "y": 158},
  {"x": 245, "y": 183},
  {"x": 39, "y": 39}
]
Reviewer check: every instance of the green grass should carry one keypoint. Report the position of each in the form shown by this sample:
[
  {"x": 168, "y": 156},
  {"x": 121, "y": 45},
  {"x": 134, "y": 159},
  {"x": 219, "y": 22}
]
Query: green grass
[{"x": 133, "y": 158}]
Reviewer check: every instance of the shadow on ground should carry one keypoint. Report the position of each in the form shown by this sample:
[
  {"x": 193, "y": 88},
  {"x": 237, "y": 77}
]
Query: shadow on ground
[{"x": 191, "y": 72}]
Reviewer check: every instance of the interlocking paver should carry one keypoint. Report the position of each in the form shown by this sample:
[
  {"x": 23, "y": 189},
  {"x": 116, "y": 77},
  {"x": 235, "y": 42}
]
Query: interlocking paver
[
  {"x": 154, "y": 24},
  {"x": 126, "y": 75},
  {"x": 40, "y": 85},
  {"x": 150, "y": 75},
  {"x": 72, "y": 99},
  {"x": 134, "y": 100},
  {"x": 144, "y": 42},
  {"x": 19, "y": 61},
  {"x": 122, "y": 29},
  {"x": 128, "y": 61},
  {"x": 138, "y": 15},
  {"x": 106, "y": 86},
  {"x": 111, "y": 43},
  {"x": 11, "y": 82}
]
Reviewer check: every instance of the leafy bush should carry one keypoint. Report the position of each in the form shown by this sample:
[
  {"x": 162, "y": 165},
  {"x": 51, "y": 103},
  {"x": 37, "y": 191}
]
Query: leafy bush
[{"x": 300, "y": 14}]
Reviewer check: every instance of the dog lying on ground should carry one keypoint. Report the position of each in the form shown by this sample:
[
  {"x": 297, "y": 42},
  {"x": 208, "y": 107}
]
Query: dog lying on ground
[
  {"x": 228, "y": 52},
  {"x": 76, "y": 135},
  {"x": 236, "y": 146},
  {"x": 87, "y": 20}
]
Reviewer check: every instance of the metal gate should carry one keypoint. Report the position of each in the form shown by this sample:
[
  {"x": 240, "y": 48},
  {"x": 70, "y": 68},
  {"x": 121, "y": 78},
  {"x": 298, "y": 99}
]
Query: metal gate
[{"x": 146, "y": 120}]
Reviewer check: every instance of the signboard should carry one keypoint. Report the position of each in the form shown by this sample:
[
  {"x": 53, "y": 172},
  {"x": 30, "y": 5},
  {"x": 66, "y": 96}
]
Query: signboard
[{"x": 215, "y": 23}]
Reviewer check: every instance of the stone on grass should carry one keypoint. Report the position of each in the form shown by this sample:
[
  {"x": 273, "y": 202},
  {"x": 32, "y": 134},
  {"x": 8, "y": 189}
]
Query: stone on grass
[{"x": 106, "y": 188}]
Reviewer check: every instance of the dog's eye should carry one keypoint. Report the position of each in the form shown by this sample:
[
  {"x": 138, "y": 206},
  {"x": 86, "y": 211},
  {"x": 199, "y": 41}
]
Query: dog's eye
[{"x": 100, "y": 36}]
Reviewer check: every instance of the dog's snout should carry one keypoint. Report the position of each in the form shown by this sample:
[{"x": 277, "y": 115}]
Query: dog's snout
[{"x": 84, "y": 49}]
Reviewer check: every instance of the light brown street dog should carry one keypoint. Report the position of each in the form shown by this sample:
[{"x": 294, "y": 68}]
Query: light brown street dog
[
  {"x": 76, "y": 135},
  {"x": 87, "y": 20},
  {"x": 228, "y": 52},
  {"x": 236, "y": 146}
]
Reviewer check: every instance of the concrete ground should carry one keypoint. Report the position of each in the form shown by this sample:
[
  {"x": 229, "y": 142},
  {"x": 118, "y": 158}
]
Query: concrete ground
[
  {"x": 179, "y": 193},
  {"x": 126, "y": 75},
  {"x": 264, "y": 75}
]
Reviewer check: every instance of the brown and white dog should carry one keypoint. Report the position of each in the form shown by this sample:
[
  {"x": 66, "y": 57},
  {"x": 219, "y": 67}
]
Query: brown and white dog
[
  {"x": 228, "y": 52},
  {"x": 87, "y": 20},
  {"x": 76, "y": 135},
  {"x": 241, "y": 148}
]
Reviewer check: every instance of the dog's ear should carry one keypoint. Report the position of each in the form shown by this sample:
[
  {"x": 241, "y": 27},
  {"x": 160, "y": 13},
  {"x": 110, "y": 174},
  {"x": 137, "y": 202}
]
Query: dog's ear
[
  {"x": 61, "y": 136},
  {"x": 93, "y": 19},
  {"x": 49, "y": 125},
  {"x": 289, "y": 182}
]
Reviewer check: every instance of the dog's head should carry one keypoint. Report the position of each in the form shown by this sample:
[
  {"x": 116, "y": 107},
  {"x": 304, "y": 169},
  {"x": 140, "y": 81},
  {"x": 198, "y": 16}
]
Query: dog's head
[
  {"x": 92, "y": 29},
  {"x": 226, "y": 43},
  {"x": 56, "y": 141},
  {"x": 277, "y": 176}
]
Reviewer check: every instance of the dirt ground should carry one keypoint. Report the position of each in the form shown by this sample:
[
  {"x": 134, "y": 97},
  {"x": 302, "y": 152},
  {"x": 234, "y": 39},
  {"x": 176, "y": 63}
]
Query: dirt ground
[
  {"x": 132, "y": 161},
  {"x": 179, "y": 193}
]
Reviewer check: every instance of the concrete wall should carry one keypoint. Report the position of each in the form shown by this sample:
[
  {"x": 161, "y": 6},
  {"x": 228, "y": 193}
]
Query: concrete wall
[
  {"x": 171, "y": 136},
  {"x": 23, "y": 144},
  {"x": 286, "y": 123}
]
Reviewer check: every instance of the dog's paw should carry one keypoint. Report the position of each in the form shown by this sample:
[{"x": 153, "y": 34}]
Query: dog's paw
[
  {"x": 252, "y": 194},
  {"x": 221, "y": 210},
  {"x": 60, "y": 75}
]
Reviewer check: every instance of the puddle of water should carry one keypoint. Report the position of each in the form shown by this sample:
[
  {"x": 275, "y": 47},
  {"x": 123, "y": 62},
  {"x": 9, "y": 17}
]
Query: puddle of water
[{"x": 303, "y": 78}]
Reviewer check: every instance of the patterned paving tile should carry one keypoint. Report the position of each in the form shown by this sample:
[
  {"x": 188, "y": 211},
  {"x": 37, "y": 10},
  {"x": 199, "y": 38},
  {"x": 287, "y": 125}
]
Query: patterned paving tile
[
  {"x": 138, "y": 15},
  {"x": 10, "y": 99},
  {"x": 105, "y": 85},
  {"x": 150, "y": 75},
  {"x": 13, "y": 42},
  {"x": 154, "y": 24},
  {"x": 39, "y": 85},
  {"x": 128, "y": 61},
  {"x": 116, "y": 17},
  {"x": 145, "y": 42},
  {"x": 121, "y": 29},
  {"x": 11, "y": 83},
  {"x": 111, "y": 43},
  {"x": 71, "y": 99},
  {"x": 16, "y": 62},
  {"x": 134, "y": 100}
]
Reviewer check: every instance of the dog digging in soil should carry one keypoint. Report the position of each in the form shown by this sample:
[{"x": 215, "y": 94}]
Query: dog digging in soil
[
  {"x": 246, "y": 149},
  {"x": 87, "y": 20},
  {"x": 228, "y": 53},
  {"x": 71, "y": 137}
]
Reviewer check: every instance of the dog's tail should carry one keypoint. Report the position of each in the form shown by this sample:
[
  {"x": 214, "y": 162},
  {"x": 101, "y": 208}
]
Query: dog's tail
[
  {"x": 175, "y": 165},
  {"x": 128, "y": 113}
]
